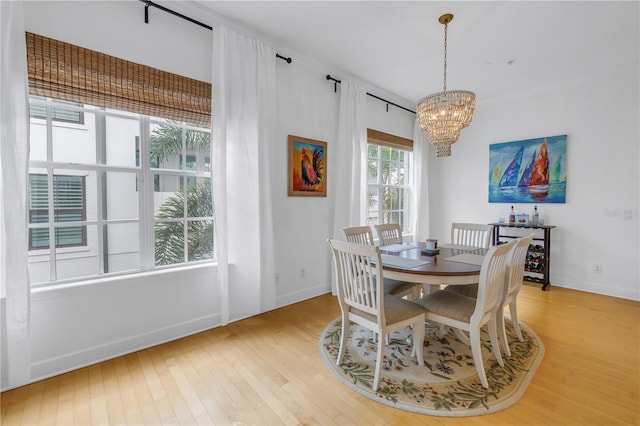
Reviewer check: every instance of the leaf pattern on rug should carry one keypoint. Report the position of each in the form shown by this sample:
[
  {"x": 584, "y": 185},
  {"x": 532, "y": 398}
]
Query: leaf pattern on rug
[{"x": 447, "y": 383}]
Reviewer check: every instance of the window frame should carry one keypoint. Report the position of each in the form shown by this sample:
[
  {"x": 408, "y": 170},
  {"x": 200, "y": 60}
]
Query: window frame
[
  {"x": 388, "y": 141},
  {"x": 144, "y": 171}
]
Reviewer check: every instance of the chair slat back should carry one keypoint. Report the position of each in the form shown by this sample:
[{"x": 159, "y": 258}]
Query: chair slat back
[
  {"x": 356, "y": 275},
  {"x": 471, "y": 234},
  {"x": 492, "y": 279},
  {"x": 389, "y": 233},
  {"x": 515, "y": 265},
  {"x": 359, "y": 235}
]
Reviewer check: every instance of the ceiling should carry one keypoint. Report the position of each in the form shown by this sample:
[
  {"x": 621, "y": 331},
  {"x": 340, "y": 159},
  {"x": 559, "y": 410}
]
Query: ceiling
[{"x": 495, "y": 48}]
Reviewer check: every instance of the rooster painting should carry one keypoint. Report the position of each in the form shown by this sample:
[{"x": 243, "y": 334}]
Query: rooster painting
[
  {"x": 307, "y": 167},
  {"x": 311, "y": 169}
]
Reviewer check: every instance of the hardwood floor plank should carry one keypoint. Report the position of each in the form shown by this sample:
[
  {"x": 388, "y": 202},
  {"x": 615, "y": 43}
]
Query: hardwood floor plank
[
  {"x": 33, "y": 404},
  {"x": 64, "y": 413},
  {"x": 267, "y": 370},
  {"x": 50, "y": 395},
  {"x": 81, "y": 408}
]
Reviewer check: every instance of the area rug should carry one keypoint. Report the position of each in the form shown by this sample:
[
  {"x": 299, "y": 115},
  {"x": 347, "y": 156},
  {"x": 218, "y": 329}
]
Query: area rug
[{"x": 448, "y": 384}]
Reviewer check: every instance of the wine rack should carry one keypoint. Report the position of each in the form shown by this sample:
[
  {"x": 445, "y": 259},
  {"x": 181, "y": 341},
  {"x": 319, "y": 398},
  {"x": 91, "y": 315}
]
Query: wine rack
[{"x": 536, "y": 266}]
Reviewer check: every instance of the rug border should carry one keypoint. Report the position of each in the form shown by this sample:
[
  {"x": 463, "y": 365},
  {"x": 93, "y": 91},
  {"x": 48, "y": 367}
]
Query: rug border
[{"x": 508, "y": 401}]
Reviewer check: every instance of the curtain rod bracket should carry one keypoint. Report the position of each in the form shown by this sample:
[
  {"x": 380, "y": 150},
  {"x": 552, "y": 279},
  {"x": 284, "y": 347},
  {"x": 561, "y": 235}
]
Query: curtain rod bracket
[
  {"x": 284, "y": 58},
  {"x": 146, "y": 13},
  {"x": 335, "y": 83}
]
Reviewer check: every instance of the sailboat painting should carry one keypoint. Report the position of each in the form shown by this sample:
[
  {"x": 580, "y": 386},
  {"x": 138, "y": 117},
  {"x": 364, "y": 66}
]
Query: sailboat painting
[{"x": 528, "y": 171}]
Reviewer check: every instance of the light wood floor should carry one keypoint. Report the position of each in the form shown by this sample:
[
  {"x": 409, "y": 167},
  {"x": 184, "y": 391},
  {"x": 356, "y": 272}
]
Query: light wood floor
[{"x": 267, "y": 370}]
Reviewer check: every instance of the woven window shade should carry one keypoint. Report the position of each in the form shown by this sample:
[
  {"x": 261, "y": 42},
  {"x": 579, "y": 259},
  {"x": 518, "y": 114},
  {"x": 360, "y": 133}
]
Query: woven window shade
[
  {"x": 377, "y": 137},
  {"x": 72, "y": 73}
]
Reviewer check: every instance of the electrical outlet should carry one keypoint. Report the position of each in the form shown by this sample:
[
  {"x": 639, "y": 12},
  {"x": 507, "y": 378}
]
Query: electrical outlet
[
  {"x": 302, "y": 273},
  {"x": 597, "y": 269}
]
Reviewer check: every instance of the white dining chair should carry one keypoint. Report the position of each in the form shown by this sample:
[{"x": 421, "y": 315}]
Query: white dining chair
[
  {"x": 468, "y": 314},
  {"x": 363, "y": 301},
  {"x": 471, "y": 234},
  {"x": 359, "y": 234},
  {"x": 513, "y": 283},
  {"x": 389, "y": 233},
  {"x": 363, "y": 235}
]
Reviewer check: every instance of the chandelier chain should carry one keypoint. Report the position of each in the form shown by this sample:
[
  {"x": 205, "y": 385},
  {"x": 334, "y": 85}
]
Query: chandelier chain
[{"x": 444, "y": 83}]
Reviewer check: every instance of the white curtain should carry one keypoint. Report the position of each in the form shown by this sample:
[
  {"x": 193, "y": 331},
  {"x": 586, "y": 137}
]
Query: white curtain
[
  {"x": 243, "y": 122},
  {"x": 420, "y": 177},
  {"x": 14, "y": 157},
  {"x": 349, "y": 184}
]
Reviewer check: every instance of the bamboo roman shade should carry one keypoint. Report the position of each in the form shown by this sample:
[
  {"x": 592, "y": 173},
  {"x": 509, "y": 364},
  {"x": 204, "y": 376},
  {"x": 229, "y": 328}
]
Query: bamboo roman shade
[
  {"x": 377, "y": 137},
  {"x": 65, "y": 71}
]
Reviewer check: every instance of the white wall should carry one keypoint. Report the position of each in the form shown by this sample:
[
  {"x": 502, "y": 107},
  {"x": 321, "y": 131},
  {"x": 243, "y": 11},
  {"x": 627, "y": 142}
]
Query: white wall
[
  {"x": 77, "y": 325},
  {"x": 599, "y": 114}
]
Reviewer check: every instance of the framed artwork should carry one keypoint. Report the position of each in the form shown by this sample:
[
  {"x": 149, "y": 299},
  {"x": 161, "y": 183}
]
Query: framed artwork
[
  {"x": 528, "y": 171},
  {"x": 522, "y": 219},
  {"x": 307, "y": 167}
]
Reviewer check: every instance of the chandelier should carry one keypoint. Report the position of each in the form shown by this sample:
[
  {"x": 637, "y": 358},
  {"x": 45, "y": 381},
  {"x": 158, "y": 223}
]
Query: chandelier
[{"x": 444, "y": 114}]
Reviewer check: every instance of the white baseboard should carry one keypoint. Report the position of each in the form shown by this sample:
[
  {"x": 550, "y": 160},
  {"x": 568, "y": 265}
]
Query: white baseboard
[
  {"x": 299, "y": 296},
  {"x": 606, "y": 290},
  {"x": 75, "y": 360}
]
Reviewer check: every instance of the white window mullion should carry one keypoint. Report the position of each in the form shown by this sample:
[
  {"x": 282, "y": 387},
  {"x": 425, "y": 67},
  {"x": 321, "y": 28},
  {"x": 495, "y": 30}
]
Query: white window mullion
[
  {"x": 101, "y": 136},
  {"x": 53, "y": 271},
  {"x": 146, "y": 198},
  {"x": 185, "y": 184}
]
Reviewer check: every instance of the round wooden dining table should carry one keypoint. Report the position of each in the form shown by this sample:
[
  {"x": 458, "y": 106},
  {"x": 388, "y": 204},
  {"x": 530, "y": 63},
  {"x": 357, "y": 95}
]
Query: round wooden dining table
[{"x": 411, "y": 265}]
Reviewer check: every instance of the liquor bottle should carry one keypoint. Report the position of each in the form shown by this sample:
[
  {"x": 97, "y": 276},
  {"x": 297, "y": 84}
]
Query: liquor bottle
[
  {"x": 535, "y": 217},
  {"x": 512, "y": 217}
]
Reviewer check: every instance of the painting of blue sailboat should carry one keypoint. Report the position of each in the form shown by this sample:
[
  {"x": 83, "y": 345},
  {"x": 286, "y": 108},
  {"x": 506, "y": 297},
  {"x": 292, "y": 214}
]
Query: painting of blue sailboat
[{"x": 528, "y": 171}]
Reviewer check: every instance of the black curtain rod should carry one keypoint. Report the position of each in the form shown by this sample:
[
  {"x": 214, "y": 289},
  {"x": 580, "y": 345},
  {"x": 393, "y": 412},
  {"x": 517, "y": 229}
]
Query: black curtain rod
[
  {"x": 148, "y": 3},
  {"x": 335, "y": 89}
]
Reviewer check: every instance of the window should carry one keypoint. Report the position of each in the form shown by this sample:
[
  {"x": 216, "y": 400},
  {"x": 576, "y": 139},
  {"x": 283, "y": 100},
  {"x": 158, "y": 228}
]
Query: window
[
  {"x": 58, "y": 111},
  {"x": 388, "y": 187},
  {"x": 123, "y": 199},
  {"x": 69, "y": 206},
  {"x": 115, "y": 191}
]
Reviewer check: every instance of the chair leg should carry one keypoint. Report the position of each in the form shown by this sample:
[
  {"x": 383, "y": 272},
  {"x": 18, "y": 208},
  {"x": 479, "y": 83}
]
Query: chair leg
[
  {"x": 418, "y": 341},
  {"x": 502, "y": 332},
  {"x": 463, "y": 337},
  {"x": 378, "y": 367},
  {"x": 493, "y": 335},
  {"x": 343, "y": 339},
  {"x": 513, "y": 311},
  {"x": 476, "y": 350}
]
